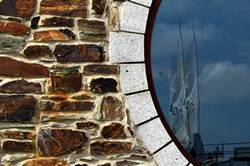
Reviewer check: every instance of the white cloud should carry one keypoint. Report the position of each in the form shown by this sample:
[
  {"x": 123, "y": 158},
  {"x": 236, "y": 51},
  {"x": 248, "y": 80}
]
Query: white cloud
[{"x": 225, "y": 83}]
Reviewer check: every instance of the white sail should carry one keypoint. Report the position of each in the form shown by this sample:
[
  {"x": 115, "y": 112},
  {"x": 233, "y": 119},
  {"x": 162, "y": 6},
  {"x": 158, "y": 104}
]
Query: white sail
[
  {"x": 192, "y": 94},
  {"x": 178, "y": 118}
]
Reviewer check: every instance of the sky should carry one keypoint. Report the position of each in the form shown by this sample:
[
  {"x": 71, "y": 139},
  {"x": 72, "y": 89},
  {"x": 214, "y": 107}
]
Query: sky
[{"x": 222, "y": 28}]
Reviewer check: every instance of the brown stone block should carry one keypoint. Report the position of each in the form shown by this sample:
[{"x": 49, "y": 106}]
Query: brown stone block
[
  {"x": 17, "y": 146},
  {"x": 113, "y": 131},
  {"x": 76, "y": 106},
  {"x": 54, "y": 142},
  {"x": 14, "y": 28},
  {"x": 79, "y": 53},
  {"x": 17, "y": 8},
  {"x": 91, "y": 26},
  {"x": 37, "y": 51},
  {"x": 66, "y": 80},
  {"x": 13, "y": 68},
  {"x": 99, "y": 6},
  {"x": 74, "y": 8},
  {"x": 54, "y": 35},
  {"x": 111, "y": 109},
  {"x": 87, "y": 125},
  {"x": 58, "y": 22},
  {"x": 17, "y": 108},
  {"x": 16, "y": 134},
  {"x": 45, "y": 162},
  {"x": 21, "y": 87},
  {"x": 110, "y": 147},
  {"x": 101, "y": 69},
  {"x": 103, "y": 85}
]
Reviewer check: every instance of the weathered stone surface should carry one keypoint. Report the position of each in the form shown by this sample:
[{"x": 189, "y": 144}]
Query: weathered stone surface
[
  {"x": 111, "y": 109},
  {"x": 47, "y": 105},
  {"x": 101, "y": 69},
  {"x": 17, "y": 8},
  {"x": 54, "y": 35},
  {"x": 18, "y": 146},
  {"x": 92, "y": 30},
  {"x": 127, "y": 163},
  {"x": 58, "y": 22},
  {"x": 20, "y": 87},
  {"x": 37, "y": 51},
  {"x": 17, "y": 108},
  {"x": 113, "y": 21},
  {"x": 66, "y": 80},
  {"x": 106, "y": 164},
  {"x": 16, "y": 134},
  {"x": 79, "y": 53},
  {"x": 75, "y": 8},
  {"x": 45, "y": 162},
  {"x": 103, "y": 85},
  {"x": 87, "y": 125},
  {"x": 11, "y": 44},
  {"x": 34, "y": 22},
  {"x": 99, "y": 6},
  {"x": 110, "y": 147},
  {"x": 113, "y": 131},
  {"x": 82, "y": 96},
  {"x": 91, "y": 27},
  {"x": 14, "y": 28},
  {"x": 21, "y": 69},
  {"x": 76, "y": 106},
  {"x": 54, "y": 142}
]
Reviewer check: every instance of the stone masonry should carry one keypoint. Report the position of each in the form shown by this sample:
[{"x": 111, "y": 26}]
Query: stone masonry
[{"x": 60, "y": 98}]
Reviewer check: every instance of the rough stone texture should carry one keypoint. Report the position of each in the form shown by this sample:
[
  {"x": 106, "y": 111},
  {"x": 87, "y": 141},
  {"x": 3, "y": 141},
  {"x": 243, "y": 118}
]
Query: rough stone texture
[
  {"x": 14, "y": 28},
  {"x": 10, "y": 44},
  {"x": 20, "y": 87},
  {"x": 110, "y": 147},
  {"x": 58, "y": 22},
  {"x": 111, "y": 109},
  {"x": 54, "y": 35},
  {"x": 92, "y": 30},
  {"x": 61, "y": 102},
  {"x": 17, "y": 8},
  {"x": 66, "y": 80},
  {"x": 99, "y": 6},
  {"x": 113, "y": 131},
  {"x": 18, "y": 146},
  {"x": 87, "y": 125},
  {"x": 79, "y": 53},
  {"x": 54, "y": 142},
  {"x": 45, "y": 161},
  {"x": 75, "y": 8},
  {"x": 101, "y": 69},
  {"x": 37, "y": 51},
  {"x": 21, "y": 69},
  {"x": 15, "y": 134},
  {"x": 103, "y": 85},
  {"x": 17, "y": 108},
  {"x": 76, "y": 106}
]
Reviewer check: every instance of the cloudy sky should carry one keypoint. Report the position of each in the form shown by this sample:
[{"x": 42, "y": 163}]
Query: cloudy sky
[{"x": 224, "y": 62}]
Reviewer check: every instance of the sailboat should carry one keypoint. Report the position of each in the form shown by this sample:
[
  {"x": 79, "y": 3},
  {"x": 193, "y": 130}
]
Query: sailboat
[{"x": 184, "y": 107}]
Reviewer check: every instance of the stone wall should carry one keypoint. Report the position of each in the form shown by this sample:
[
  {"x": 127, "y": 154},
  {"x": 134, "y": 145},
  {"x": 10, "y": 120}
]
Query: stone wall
[{"x": 61, "y": 102}]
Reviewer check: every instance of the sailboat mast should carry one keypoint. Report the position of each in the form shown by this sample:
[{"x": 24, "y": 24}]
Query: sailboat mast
[
  {"x": 182, "y": 43},
  {"x": 198, "y": 89}
]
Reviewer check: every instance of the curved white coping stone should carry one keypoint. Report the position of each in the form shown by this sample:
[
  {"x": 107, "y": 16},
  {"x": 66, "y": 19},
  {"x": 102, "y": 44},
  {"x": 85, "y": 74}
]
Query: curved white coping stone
[
  {"x": 133, "y": 78},
  {"x": 170, "y": 156},
  {"x": 143, "y": 2},
  {"x": 126, "y": 47},
  {"x": 141, "y": 107},
  {"x": 154, "y": 135},
  {"x": 133, "y": 17}
]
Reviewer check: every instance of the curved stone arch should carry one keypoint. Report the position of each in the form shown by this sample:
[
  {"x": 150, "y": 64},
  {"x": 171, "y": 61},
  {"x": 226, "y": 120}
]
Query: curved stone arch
[{"x": 130, "y": 48}]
